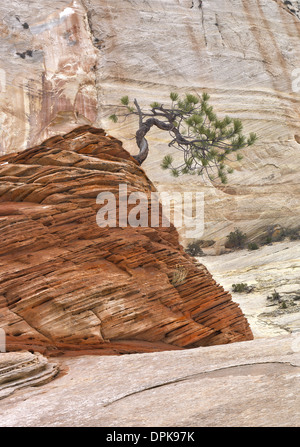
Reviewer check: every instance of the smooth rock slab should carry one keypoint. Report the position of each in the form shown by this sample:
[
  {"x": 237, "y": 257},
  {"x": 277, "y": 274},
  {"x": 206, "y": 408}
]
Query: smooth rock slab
[
  {"x": 271, "y": 267},
  {"x": 253, "y": 383}
]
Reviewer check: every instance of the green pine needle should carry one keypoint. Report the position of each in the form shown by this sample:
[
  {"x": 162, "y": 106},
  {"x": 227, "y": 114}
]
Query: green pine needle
[
  {"x": 167, "y": 161},
  {"x": 125, "y": 100},
  {"x": 113, "y": 118},
  {"x": 155, "y": 105},
  {"x": 191, "y": 99},
  {"x": 174, "y": 96}
]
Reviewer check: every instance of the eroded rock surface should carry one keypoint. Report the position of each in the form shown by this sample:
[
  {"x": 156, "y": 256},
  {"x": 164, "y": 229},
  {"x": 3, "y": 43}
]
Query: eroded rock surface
[
  {"x": 68, "y": 63},
  {"x": 66, "y": 283},
  {"x": 253, "y": 384},
  {"x": 273, "y": 268},
  {"x": 24, "y": 369}
]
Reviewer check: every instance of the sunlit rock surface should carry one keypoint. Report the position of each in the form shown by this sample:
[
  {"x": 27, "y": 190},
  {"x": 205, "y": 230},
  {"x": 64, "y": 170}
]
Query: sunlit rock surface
[
  {"x": 248, "y": 384},
  {"x": 67, "y": 284},
  {"x": 24, "y": 369},
  {"x": 67, "y": 63},
  {"x": 273, "y": 268}
]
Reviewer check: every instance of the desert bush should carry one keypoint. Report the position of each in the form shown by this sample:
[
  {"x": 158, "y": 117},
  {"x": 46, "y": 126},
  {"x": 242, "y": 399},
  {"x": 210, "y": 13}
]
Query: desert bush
[
  {"x": 268, "y": 240},
  {"x": 275, "y": 233},
  {"x": 278, "y": 235},
  {"x": 293, "y": 233},
  {"x": 236, "y": 239},
  {"x": 252, "y": 246},
  {"x": 194, "y": 248},
  {"x": 275, "y": 296},
  {"x": 241, "y": 287}
]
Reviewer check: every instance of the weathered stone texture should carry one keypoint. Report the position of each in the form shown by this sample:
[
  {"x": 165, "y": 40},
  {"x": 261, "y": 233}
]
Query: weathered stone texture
[
  {"x": 68, "y": 63},
  {"x": 249, "y": 384},
  {"x": 66, "y": 283},
  {"x": 24, "y": 369}
]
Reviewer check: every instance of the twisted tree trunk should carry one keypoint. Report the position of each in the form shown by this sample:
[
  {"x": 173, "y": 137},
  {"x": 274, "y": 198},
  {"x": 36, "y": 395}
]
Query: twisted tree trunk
[{"x": 144, "y": 128}]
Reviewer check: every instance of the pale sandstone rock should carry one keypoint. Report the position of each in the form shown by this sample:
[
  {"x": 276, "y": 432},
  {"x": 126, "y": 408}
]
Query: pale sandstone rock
[
  {"x": 254, "y": 383},
  {"x": 47, "y": 71},
  {"x": 68, "y": 63},
  {"x": 274, "y": 267},
  {"x": 24, "y": 369},
  {"x": 243, "y": 53}
]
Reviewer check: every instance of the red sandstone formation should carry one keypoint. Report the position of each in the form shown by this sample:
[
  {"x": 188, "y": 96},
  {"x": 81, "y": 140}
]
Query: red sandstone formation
[{"x": 67, "y": 285}]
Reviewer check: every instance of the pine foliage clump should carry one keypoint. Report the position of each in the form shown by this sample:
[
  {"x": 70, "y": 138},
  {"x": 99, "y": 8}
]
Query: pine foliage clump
[{"x": 208, "y": 144}]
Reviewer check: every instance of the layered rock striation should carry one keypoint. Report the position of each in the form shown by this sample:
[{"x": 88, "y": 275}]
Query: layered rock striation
[
  {"x": 68, "y": 63},
  {"x": 67, "y": 284},
  {"x": 24, "y": 369}
]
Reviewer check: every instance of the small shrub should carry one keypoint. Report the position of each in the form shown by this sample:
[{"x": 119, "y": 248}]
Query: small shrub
[
  {"x": 274, "y": 297},
  {"x": 236, "y": 239},
  {"x": 241, "y": 287},
  {"x": 275, "y": 233},
  {"x": 252, "y": 246},
  {"x": 194, "y": 249},
  {"x": 278, "y": 235},
  {"x": 294, "y": 237},
  {"x": 293, "y": 233},
  {"x": 268, "y": 240}
]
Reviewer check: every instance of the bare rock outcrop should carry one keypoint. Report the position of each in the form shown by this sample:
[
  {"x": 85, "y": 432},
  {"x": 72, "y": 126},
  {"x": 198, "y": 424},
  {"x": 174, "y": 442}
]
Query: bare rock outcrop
[
  {"x": 23, "y": 369},
  {"x": 68, "y": 63},
  {"x": 249, "y": 384},
  {"x": 68, "y": 285}
]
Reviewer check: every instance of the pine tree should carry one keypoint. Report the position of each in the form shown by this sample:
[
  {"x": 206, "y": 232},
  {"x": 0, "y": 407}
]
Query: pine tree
[{"x": 207, "y": 143}]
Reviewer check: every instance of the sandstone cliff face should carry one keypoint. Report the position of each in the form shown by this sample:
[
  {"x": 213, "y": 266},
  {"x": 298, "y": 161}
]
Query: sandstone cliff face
[
  {"x": 68, "y": 63},
  {"x": 67, "y": 284},
  {"x": 47, "y": 74}
]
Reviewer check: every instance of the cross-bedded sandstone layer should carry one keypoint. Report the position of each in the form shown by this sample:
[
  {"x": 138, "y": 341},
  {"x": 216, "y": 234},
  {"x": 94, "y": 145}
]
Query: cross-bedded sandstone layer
[
  {"x": 24, "y": 369},
  {"x": 69, "y": 62},
  {"x": 68, "y": 285}
]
